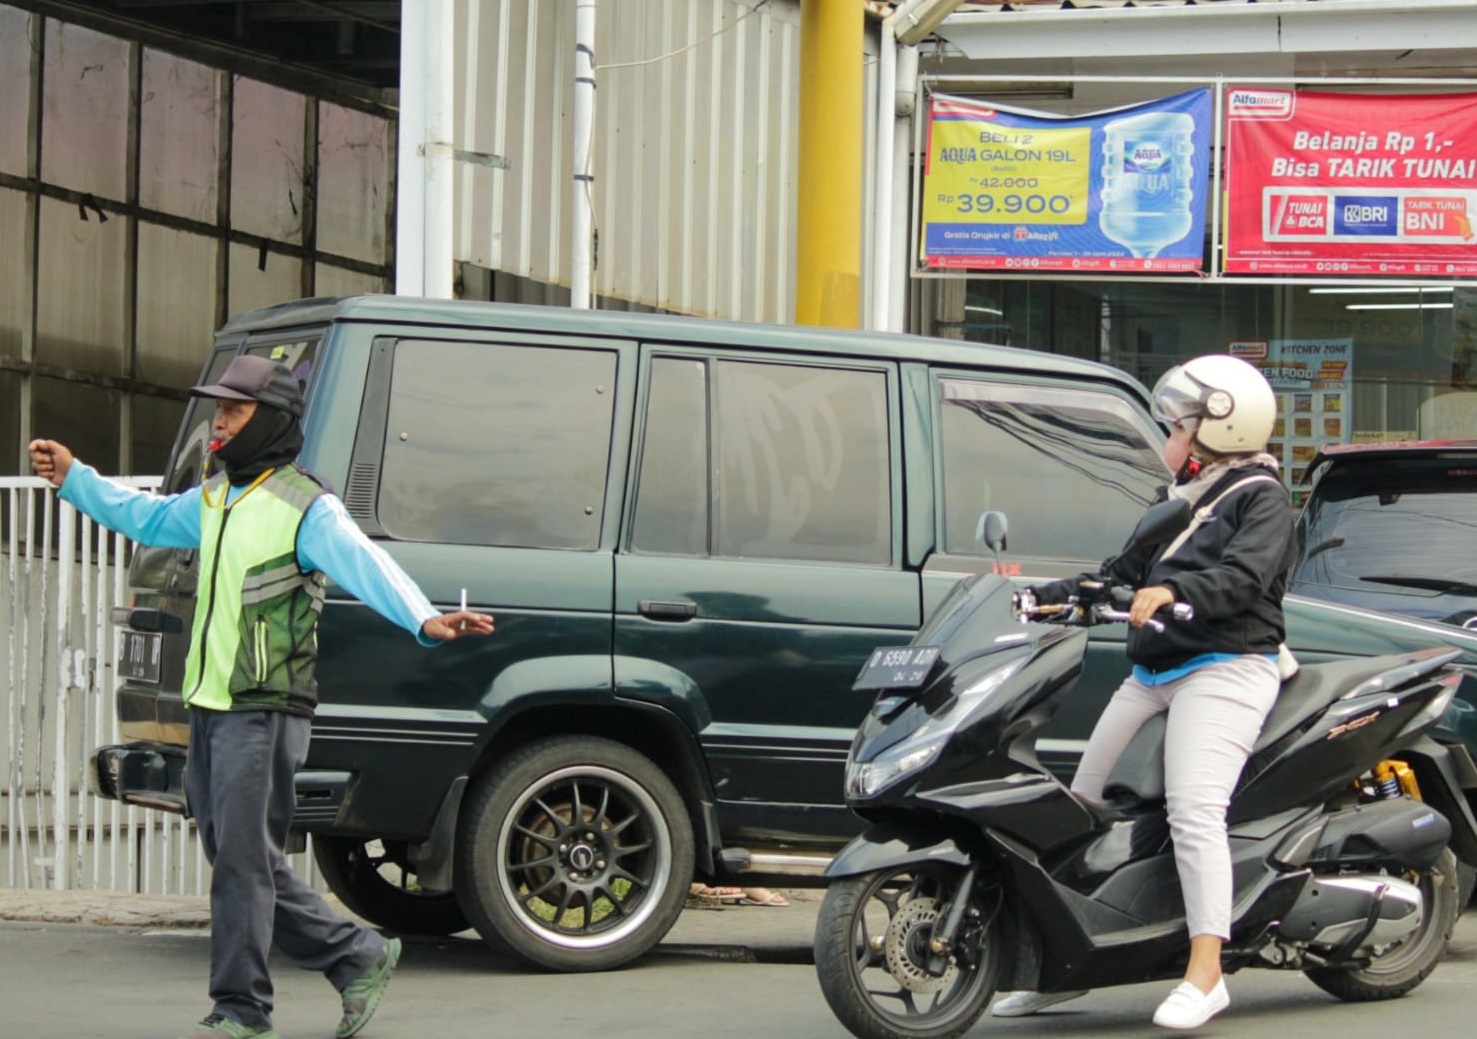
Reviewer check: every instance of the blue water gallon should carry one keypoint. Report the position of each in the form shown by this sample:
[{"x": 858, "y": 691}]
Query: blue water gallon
[{"x": 1147, "y": 171}]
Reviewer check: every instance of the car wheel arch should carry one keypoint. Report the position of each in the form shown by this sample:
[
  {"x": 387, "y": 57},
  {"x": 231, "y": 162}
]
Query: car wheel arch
[{"x": 650, "y": 730}]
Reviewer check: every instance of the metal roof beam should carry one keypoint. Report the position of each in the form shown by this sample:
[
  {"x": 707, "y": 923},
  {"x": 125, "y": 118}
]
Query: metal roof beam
[{"x": 1223, "y": 28}]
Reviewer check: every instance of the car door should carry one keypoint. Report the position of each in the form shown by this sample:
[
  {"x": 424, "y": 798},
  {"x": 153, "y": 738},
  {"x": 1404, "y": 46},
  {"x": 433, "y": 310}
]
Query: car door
[
  {"x": 760, "y": 565},
  {"x": 1072, "y": 468},
  {"x": 481, "y": 465}
]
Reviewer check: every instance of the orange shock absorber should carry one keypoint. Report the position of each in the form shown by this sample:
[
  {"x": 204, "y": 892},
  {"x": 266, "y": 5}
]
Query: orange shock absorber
[
  {"x": 1396, "y": 778},
  {"x": 1406, "y": 775}
]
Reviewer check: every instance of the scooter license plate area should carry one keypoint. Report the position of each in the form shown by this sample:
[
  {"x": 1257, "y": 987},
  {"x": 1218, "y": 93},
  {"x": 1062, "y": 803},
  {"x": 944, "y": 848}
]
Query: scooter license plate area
[{"x": 898, "y": 667}]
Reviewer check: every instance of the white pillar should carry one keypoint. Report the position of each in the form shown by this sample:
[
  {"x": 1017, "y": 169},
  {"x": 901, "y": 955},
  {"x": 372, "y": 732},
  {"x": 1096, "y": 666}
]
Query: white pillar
[
  {"x": 882, "y": 170},
  {"x": 581, "y": 245},
  {"x": 424, "y": 187}
]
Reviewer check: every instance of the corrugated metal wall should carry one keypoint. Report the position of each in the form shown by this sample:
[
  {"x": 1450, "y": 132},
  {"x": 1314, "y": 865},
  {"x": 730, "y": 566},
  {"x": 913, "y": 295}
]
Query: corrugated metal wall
[{"x": 694, "y": 152}]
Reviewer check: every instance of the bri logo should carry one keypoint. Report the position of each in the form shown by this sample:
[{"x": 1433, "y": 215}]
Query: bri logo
[{"x": 1264, "y": 104}]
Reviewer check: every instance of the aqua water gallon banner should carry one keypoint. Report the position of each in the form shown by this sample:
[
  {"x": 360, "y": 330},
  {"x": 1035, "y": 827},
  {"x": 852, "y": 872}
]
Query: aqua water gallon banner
[
  {"x": 1123, "y": 190},
  {"x": 1322, "y": 183}
]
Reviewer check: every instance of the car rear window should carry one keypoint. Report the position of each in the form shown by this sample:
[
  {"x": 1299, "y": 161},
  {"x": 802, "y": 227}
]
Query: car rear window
[{"x": 1410, "y": 523}]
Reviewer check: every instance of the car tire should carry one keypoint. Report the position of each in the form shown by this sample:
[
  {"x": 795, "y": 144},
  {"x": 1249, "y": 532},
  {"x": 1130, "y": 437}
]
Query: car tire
[
  {"x": 575, "y": 853},
  {"x": 374, "y": 880}
]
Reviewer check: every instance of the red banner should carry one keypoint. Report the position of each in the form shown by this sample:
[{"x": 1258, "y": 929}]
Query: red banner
[{"x": 1320, "y": 183}]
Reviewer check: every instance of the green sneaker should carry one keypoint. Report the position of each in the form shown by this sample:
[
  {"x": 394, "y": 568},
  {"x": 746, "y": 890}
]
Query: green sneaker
[
  {"x": 364, "y": 992},
  {"x": 217, "y": 1027}
]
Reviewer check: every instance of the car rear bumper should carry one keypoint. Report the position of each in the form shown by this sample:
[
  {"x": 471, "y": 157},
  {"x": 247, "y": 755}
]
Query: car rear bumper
[{"x": 151, "y": 775}]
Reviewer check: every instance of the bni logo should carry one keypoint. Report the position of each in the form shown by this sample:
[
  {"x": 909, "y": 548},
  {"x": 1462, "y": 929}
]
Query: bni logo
[{"x": 1265, "y": 104}]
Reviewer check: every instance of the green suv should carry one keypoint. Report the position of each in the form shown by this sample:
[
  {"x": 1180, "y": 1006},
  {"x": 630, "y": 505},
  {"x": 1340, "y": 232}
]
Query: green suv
[{"x": 691, "y": 534}]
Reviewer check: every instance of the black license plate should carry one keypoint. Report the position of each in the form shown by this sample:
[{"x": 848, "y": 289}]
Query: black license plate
[
  {"x": 138, "y": 655},
  {"x": 897, "y": 667}
]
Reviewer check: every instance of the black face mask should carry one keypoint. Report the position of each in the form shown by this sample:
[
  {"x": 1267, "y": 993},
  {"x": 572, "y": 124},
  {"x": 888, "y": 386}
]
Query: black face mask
[{"x": 271, "y": 437}]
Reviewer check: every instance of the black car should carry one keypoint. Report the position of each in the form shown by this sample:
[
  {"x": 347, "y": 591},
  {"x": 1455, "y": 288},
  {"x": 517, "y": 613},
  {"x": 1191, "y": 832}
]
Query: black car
[{"x": 1393, "y": 527}]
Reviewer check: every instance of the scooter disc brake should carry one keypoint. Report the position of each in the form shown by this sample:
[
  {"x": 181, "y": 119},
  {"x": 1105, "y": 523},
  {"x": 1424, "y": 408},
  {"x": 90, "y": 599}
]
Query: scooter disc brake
[{"x": 908, "y": 935}]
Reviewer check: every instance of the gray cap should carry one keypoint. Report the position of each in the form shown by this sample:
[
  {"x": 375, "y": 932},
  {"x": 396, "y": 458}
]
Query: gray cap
[{"x": 265, "y": 381}]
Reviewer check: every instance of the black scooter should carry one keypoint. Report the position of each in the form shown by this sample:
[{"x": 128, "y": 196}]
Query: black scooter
[{"x": 980, "y": 871}]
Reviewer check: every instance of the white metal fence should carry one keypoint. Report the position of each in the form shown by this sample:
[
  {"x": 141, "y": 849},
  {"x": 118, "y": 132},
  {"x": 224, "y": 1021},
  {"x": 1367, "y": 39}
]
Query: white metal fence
[{"x": 60, "y": 576}]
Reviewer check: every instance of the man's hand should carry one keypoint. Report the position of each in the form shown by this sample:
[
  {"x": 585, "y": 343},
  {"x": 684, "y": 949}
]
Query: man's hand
[
  {"x": 50, "y": 460},
  {"x": 450, "y": 626},
  {"x": 1147, "y": 602}
]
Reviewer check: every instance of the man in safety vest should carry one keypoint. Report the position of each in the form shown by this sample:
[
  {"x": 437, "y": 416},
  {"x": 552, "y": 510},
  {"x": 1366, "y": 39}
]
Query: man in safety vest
[{"x": 267, "y": 532}]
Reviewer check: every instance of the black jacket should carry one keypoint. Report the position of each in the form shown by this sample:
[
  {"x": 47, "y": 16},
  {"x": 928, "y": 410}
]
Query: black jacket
[{"x": 1233, "y": 570}]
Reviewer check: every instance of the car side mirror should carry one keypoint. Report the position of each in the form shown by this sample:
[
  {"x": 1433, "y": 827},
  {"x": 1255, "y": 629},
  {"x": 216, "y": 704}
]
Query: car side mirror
[{"x": 991, "y": 530}]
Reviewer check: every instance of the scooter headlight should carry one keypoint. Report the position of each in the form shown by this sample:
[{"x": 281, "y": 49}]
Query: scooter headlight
[{"x": 870, "y": 778}]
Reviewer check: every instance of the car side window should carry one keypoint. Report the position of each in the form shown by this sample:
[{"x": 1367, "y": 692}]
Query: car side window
[
  {"x": 802, "y": 466},
  {"x": 495, "y": 444},
  {"x": 799, "y": 459},
  {"x": 1072, "y": 469},
  {"x": 672, "y": 495}
]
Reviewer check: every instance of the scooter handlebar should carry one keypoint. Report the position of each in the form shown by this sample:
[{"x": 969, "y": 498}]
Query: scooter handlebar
[
  {"x": 1182, "y": 611},
  {"x": 1075, "y": 611}
]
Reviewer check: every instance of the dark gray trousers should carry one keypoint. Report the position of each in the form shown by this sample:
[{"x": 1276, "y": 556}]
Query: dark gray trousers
[{"x": 239, "y": 780}]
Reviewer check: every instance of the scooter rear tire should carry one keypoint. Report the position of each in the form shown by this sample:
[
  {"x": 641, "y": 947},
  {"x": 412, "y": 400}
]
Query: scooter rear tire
[{"x": 1408, "y": 964}]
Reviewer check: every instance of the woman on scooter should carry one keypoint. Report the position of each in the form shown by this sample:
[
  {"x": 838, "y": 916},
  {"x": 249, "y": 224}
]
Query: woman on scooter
[{"x": 1217, "y": 674}]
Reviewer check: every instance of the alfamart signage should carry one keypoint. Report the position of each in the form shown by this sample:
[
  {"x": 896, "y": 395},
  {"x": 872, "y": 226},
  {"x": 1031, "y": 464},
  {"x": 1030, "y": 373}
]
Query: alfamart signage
[{"x": 1322, "y": 183}]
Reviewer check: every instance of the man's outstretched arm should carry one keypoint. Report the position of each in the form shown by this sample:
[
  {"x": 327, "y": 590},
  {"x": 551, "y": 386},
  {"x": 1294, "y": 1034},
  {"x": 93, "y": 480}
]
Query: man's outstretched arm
[
  {"x": 171, "y": 521},
  {"x": 332, "y": 542}
]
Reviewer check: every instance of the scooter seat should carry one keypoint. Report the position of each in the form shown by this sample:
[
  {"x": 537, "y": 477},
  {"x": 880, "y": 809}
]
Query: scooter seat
[{"x": 1139, "y": 773}]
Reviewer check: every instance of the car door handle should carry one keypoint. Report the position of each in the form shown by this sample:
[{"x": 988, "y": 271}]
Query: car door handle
[{"x": 667, "y": 610}]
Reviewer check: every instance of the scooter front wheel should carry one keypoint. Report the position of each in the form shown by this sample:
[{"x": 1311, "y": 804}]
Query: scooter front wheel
[{"x": 874, "y": 960}]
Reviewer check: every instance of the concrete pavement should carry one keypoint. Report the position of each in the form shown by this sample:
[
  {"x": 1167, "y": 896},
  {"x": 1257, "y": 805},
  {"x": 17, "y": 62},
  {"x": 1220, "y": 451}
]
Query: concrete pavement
[{"x": 765, "y": 934}]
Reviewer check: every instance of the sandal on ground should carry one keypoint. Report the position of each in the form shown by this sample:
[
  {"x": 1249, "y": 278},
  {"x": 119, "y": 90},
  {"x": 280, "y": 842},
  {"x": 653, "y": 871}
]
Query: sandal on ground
[
  {"x": 704, "y": 896},
  {"x": 762, "y": 896},
  {"x": 722, "y": 894}
]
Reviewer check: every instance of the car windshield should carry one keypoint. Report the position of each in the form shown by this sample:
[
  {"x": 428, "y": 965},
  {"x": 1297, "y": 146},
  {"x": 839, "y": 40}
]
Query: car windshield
[{"x": 1406, "y": 526}]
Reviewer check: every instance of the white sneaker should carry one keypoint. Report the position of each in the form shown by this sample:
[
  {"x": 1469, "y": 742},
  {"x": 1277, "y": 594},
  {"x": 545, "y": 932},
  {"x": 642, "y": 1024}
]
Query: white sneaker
[
  {"x": 1188, "y": 1007},
  {"x": 1020, "y": 1004}
]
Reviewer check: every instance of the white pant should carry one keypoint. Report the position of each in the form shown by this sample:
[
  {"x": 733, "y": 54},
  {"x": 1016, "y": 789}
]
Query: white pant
[{"x": 1215, "y": 715}]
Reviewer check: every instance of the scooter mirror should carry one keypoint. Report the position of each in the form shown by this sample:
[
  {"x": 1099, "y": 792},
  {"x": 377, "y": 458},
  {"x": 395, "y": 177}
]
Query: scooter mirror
[
  {"x": 1161, "y": 523},
  {"x": 991, "y": 530}
]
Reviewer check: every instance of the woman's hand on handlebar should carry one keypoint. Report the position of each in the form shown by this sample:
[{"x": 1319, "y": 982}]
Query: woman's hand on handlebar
[{"x": 1147, "y": 602}]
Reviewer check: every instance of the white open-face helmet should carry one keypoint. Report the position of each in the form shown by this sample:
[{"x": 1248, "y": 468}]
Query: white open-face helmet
[{"x": 1226, "y": 402}]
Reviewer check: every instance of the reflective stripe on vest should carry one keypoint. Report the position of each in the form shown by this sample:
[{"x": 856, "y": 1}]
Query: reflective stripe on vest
[{"x": 254, "y": 640}]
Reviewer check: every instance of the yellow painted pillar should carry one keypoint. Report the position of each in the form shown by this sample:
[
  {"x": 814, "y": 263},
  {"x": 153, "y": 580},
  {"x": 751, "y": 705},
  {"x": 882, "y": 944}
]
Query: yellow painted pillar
[{"x": 828, "y": 225}]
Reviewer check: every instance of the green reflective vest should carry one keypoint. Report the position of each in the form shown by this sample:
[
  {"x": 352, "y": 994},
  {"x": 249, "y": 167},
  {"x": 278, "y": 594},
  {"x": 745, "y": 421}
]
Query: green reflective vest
[{"x": 254, "y": 643}]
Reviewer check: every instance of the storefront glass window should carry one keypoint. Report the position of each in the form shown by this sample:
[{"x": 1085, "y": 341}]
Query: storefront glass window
[{"x": 1352, "y": 363}]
